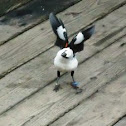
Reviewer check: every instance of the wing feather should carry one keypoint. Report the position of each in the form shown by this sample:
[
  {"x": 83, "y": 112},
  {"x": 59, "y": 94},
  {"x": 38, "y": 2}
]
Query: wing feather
[
  {"x": 59, "y": 30},
  {"x": 77, "y": 43}
]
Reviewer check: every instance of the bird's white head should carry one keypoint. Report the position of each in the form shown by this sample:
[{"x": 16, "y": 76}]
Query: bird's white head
[{"x": 66, "y": 53}]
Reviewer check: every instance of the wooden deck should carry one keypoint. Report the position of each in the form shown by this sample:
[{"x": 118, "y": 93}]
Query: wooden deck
[{"x": 27, "y": 74}]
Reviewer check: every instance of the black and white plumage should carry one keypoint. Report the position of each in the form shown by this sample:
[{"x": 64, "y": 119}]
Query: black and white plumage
[
  {"x": 77, "y": 43},
  {"x": 59, "y": 30},
  {"x": 65, "y": 59}
]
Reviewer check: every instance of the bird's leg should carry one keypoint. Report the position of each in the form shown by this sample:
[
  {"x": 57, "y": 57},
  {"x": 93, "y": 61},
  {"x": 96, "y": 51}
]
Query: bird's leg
[
  {"x": 75, "y": 84},
  {"x": 72, "y": 75},
  {"x": 57, "y": 86}
]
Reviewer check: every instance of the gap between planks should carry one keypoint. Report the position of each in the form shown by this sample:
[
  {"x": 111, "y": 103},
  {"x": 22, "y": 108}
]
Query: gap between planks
[
  {"x": 18, "y": 29},
  {"x": 104, "y": 107},
  {"x": 24, "y": 29},
  {"x": 109, "y": 72},
  {"x": 14, "y": 7},
  {"x": 21, "y": 60},
  {"x": 10, "y": 85},
  {"x": 121, "y": 121},
  {"x": 15, "y": 78}
]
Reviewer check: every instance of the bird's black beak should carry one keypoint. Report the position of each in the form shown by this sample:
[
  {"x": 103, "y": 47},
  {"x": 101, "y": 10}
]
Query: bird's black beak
[{"x": 64, "y": 55}]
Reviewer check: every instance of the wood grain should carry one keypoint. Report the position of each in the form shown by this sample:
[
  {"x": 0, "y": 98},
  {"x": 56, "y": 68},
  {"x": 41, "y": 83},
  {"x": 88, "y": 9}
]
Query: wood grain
[
  {"x": 26, "y": 96},
  {"x": 34, "y": 42},
  {"x": 46, "y": 106},
  {"x": 40, "y": 72},
  {"x": 102, "y": 109},
  {"x": 9, "y": 31},
  {"x": 8, "y": 5}
]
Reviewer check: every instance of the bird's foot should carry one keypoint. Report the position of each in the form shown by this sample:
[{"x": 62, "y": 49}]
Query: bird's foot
[
  {"x": 56, "y": 88},
  {"x": 75, "y": 86}
]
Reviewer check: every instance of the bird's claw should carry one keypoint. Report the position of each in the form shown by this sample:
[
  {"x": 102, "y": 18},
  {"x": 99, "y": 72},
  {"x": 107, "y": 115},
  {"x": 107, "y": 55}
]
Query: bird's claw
[
  {"x": 75, "y": 86},
  {"x": 56, "y": 88}
]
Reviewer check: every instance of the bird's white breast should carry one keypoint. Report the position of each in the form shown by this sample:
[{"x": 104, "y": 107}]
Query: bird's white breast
[{"x": 63, "y": 64}]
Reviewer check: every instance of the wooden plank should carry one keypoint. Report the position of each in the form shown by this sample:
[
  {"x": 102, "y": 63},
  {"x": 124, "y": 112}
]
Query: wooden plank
[
  {"x": 101, "y": 109},
  {"x": 121, "y": 122},
  {"x": 12, "y": 30},
  {"x": 6, "y": 6},
  {"x": 30, "y": 39},
  {"x": 45, "y": 106},
  {"x": 29, "y": 15},
  {"x": 38, "y": 73},
  {"x": 100, "y": 8},
  {"x": 35, "y": 41}
]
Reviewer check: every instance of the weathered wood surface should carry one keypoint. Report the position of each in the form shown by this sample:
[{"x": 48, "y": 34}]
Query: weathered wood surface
[
  {"x": 45, "y": 106},
  {"x": 26, "y": 93},
  {"x": 103, "y": 108},
  {"x": 10, "y": 31},
  {"x": 8, "y": 5},
  {"x": 29, "y": 15},
  {"x": 93, "y": 8},
  {"x": 38, "y": 73},
  {"x": 121, "y": 122},
  {"x": 37, "y": 40}
]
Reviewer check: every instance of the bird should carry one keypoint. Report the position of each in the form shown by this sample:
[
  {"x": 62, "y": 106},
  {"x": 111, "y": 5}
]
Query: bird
[{"x": 65, "y": 60}]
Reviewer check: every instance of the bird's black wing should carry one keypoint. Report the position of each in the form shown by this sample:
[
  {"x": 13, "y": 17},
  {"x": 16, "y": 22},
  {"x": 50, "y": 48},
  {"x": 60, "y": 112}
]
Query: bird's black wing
[
  {"x": 59, "y": 30},
  {"x": 77, "y": 43}
]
